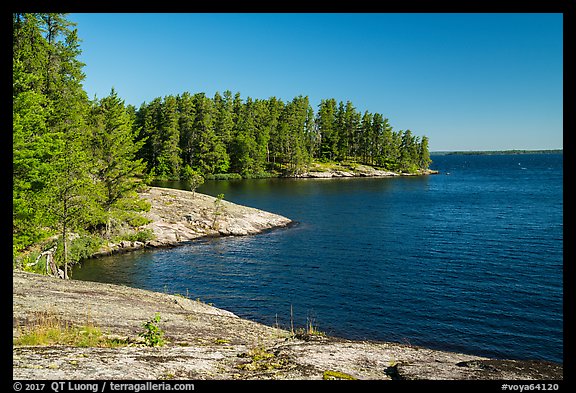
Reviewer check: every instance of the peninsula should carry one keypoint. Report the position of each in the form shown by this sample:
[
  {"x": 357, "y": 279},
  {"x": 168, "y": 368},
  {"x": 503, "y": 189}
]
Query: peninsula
[{"x": 179, "y": 216}]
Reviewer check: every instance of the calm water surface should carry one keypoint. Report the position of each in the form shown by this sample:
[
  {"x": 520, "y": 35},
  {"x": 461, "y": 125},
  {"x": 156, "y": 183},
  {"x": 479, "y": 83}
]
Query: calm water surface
[{"x": 469, "y": 260}]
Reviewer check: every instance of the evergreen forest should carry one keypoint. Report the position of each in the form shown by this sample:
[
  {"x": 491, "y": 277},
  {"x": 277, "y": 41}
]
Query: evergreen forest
[{"x": 78, "y": 163}]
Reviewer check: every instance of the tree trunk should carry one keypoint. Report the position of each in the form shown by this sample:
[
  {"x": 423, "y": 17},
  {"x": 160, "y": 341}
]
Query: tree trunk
[
  {"x": 65, "y": 243},
  {"x": 51, "y": 265}
]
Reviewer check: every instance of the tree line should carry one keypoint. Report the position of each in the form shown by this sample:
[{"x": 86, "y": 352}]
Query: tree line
[
  {"x": 75, "y": 164},
  {"x": 78, "y": 163},
  {"x": 262, "y": 137}
]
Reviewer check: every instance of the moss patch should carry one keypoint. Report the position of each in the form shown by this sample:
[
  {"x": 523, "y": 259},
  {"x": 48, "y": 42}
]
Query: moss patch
[{"x": 337, "y": 375}]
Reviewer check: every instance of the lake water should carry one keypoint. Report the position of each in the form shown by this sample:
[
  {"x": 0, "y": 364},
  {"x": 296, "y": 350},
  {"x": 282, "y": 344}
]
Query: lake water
[{"x": 469, "y": 260}]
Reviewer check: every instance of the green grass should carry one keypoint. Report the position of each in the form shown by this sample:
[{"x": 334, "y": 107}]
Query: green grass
[{"x": 49, "y": 329}]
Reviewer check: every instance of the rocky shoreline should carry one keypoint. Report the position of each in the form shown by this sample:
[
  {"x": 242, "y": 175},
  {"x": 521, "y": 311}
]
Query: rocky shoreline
[
  {"x": 180, "y": 216},
  {"x": 204, "y": 342},
  {"x": 318, "y": 171}
]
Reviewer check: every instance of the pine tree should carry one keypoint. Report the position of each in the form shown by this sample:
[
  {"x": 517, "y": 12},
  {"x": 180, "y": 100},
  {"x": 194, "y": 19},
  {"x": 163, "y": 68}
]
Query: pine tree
[
  {"x": 351, "y": 125},
  {"x": 224, "y": 122},
  {"x": 261, "y": 134},
  {"x": 408, "y": 152},
  {"x": 193, "y": 178},
  {"x": 326, "y": 122},
  {"x": 31, "y": 153},
  {"x": 69, "y": 195},
  {"x": 312, "y": 134},
  {"x": 275, "y": 109},
  {"x": 114, "y": 146},
  {"x": 209, "y": 154},
  {"x": 389, "y": 146},
  {"x": 169, "y": 159},
  {"x": 186, "y": 127},
  {"x": 52, "y": 186},
  {"x": 148, "y": 121},
  {"x": 423, "y": 154},
  {"x": 364, "y": 137},
  {"x": 243, "y": 149},
  {"x": 292, "y": 132},
  {"x": 375, "y": 138},
  {"x": 340, "y": 128}
]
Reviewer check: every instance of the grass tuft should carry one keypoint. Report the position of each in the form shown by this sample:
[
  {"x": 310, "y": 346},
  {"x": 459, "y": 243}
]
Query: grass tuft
[{"x": 46, "y": 328}]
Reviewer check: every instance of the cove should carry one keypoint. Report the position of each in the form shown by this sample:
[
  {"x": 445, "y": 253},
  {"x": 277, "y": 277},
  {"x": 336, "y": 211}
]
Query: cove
[{"x": 469, "y": 260}]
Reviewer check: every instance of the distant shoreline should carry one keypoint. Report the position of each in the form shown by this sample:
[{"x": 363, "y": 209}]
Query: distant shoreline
[{"x": 495, "y": 152}]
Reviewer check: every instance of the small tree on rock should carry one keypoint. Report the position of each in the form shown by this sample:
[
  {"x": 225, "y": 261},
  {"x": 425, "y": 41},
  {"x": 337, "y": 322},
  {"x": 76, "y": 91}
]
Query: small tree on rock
[{"x": 193, "y": 178}]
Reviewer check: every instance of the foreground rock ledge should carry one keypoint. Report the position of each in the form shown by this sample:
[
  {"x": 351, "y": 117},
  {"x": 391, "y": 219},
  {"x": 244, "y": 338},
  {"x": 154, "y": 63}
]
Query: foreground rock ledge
[{"x": 205, "y": 342}]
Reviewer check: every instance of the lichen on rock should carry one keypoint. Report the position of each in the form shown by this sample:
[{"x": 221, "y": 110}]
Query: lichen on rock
[{"x": 204, "y": 342}]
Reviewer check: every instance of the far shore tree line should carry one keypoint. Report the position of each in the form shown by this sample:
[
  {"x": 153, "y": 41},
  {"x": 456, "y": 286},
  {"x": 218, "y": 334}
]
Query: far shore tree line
[
  {"x": 78, "y": 163},
  {"x": 267, "y": 137}
]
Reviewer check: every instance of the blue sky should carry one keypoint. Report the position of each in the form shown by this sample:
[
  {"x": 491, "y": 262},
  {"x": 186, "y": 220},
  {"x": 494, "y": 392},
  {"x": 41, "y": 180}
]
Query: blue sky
[{"x": 467, "y": 81}]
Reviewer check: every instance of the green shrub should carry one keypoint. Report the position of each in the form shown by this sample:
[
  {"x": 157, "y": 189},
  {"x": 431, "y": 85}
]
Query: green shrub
[
  {"x": 259, "y": 175},
  {"x": 138, "y": 221},
  {"x": 153, "y": 334},
  {"x": 224, "y": 176},
  {"x": 28, "y": 263},
  {"x": 142, "y": 235},
  {"x": 79, "y": 248},
  {"x": 411, "y": 168}
]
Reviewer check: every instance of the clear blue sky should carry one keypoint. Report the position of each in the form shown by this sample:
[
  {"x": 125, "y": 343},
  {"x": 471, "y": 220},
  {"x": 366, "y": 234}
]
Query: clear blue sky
[{"x": 467, "y": 81}]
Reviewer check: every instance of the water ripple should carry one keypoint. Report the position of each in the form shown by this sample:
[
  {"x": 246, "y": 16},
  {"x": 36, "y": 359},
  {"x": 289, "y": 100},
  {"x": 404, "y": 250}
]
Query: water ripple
[{"x": 469, "y": 262}]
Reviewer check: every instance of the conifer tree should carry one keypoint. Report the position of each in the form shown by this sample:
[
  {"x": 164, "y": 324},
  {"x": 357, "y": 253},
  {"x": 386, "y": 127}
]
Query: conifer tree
[
  {"x": 326, "y": 123},
  {"x": 423, "y": 154},
  {"x": 169, "y": 160},
  {"x": 51, "y": 180},
  {"x": 224, "y": 121},
  {"x": 72, "y": 159},
  {"x": 364, "y": 137},
  {"x": 114, "y": 146},
  {"x": 244, "y": 148},
  {"x": 209, "y": 155},
  {"x": 276, "y": 108},
  {"x": 186, "y": 128}
]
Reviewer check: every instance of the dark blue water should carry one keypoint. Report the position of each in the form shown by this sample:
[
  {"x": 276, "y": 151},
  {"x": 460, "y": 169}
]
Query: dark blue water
[{"x": 469, "y": 260}]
